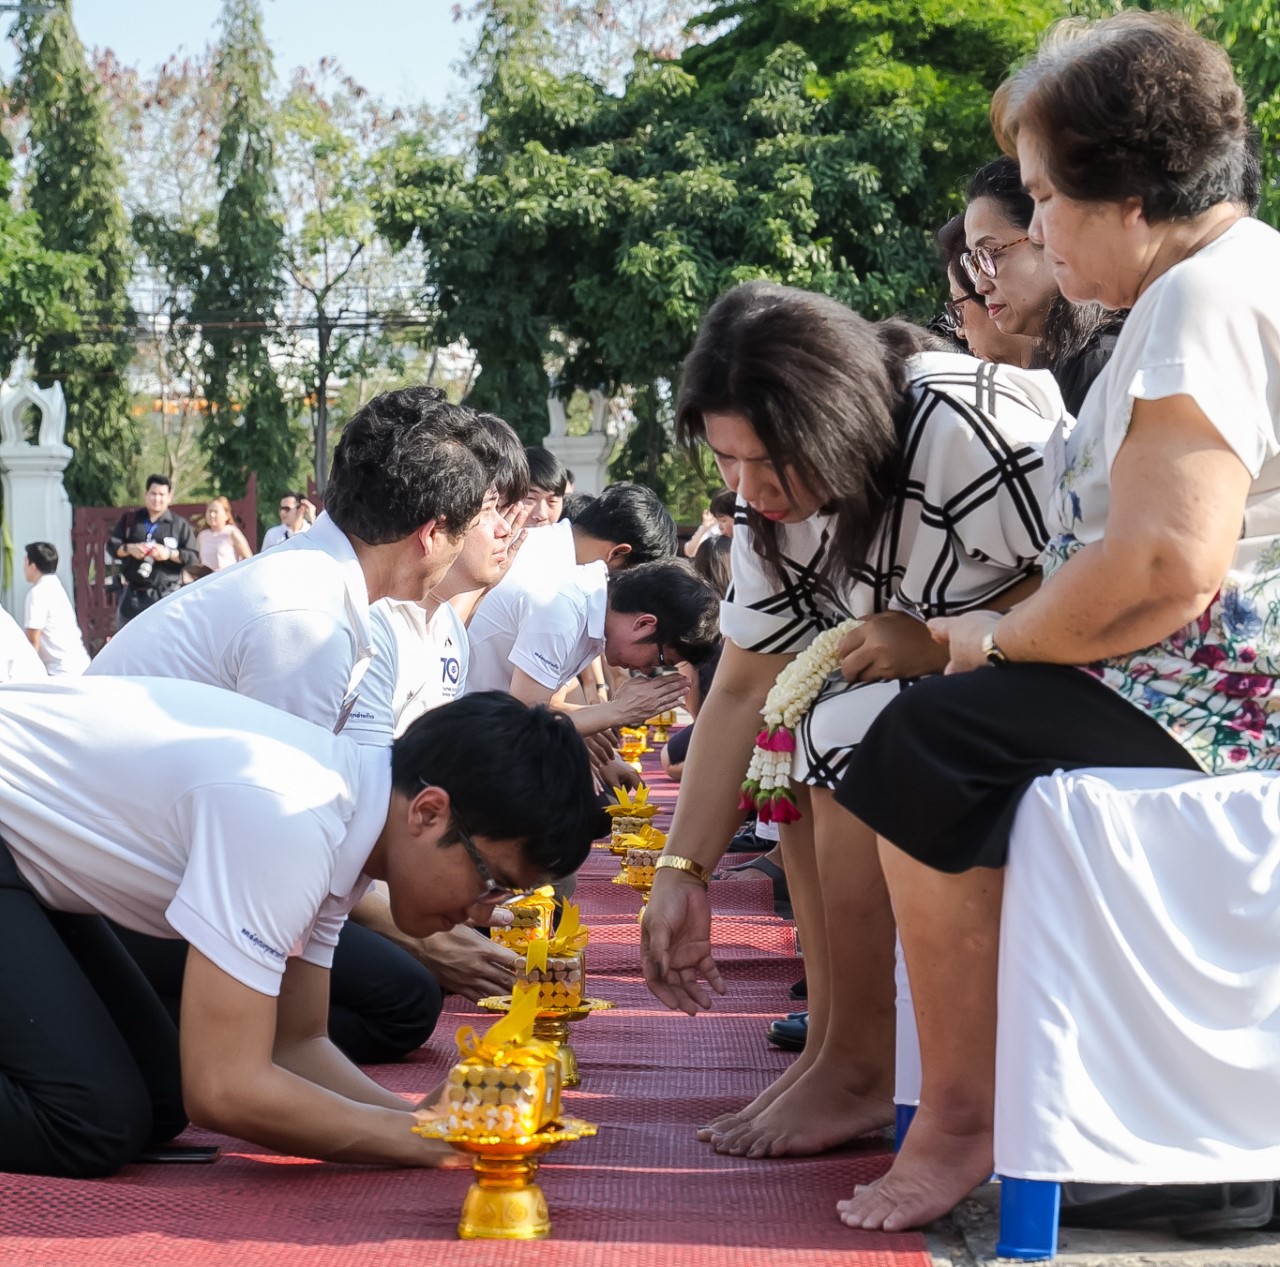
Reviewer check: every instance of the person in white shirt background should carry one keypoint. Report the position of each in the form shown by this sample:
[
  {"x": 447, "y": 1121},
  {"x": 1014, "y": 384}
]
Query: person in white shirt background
[
  {"x": 48, "y": 617},
  {"x": 297, "y": 515}
]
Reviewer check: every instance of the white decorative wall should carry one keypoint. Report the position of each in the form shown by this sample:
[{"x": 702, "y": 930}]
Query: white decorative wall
[{"x": 36, "y": 506}]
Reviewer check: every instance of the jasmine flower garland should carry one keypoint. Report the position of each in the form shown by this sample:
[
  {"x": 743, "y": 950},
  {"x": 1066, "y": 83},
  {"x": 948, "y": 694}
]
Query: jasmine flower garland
[{"x": 767, "y": 788}]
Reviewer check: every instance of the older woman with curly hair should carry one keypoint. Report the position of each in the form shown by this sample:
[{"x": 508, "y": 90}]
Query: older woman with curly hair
[{"x": 1155, "y": 638}]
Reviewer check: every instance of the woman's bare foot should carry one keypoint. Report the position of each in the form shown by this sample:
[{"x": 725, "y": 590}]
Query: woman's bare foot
[
  {"x": 728, "y": 1121},
  {"x": 818, "y": 1112},
  {"x": 933, "y": 1173}
]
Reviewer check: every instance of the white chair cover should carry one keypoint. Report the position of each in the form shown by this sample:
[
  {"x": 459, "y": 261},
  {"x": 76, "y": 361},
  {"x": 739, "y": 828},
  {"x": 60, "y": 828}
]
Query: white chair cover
[{"x": 1139, "y": 1030}]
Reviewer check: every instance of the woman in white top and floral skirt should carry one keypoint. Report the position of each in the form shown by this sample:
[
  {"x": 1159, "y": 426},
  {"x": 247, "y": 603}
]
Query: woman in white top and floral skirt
[
  {"x": 1159, "y": 618},
  {"x": 877, "y": 478}
]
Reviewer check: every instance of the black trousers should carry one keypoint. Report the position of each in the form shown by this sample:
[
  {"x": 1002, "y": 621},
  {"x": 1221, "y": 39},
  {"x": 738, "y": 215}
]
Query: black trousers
[
  {"x": 383, "y": 1004},
  {"x": 89, "y": 1072}
]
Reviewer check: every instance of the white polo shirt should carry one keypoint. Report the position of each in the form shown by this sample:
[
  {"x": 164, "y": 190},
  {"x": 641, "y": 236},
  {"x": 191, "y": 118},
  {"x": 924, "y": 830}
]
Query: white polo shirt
[
  {"x": 18, "y": 659},
  {"x": 550, "y": 632},
  {"x": 545, "y": 555},
  {"x": 289, "y": 627},
  {"x": 418, "y": 664},
  {"x": 48, "y": 609},
  {"x": 179, "y": 810}
]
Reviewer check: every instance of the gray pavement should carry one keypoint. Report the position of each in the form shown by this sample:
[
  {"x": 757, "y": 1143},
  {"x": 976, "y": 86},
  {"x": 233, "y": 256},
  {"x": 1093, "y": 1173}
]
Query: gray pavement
[{"x": 968, "y": 1237}]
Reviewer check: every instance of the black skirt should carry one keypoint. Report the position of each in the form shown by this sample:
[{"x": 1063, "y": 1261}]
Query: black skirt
[{"x": 942, "y": 769}]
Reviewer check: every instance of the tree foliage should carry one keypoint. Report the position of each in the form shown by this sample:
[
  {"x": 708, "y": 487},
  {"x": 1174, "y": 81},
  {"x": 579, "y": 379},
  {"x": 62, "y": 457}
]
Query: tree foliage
[
  {"x": 817, "y": 142},
  {"x": 238, "y": 296},
  {"x": 73, "y": 187}
]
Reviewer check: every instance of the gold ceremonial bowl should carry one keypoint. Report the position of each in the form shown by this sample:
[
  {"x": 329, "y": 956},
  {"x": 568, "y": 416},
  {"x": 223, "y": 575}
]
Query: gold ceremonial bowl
[{"x": 504, "y": 1203}]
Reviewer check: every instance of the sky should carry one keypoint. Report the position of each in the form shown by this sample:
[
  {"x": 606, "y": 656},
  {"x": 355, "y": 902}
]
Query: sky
[{"x": 401, "y": 50}]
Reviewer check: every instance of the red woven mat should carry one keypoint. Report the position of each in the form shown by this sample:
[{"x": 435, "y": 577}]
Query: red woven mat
[{"x": 644, "y": 1191}]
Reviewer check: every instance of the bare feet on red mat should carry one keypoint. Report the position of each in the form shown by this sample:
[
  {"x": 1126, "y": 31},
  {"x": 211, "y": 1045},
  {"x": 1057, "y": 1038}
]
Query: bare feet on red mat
[
  {"x": 933, "y": 1173},
  {"x": 728, "y": 1121},
  {"x": 819, "y": 1112}
]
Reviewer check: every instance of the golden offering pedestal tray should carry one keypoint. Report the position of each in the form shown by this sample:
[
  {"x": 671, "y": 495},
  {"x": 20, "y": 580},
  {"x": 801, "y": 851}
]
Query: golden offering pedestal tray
[
  {"x": 504, "y": 1203},
  {"x": 552, "y": 1026},
  {"x": 634, "y": 743},
  {"x": 660, "y": 726}
]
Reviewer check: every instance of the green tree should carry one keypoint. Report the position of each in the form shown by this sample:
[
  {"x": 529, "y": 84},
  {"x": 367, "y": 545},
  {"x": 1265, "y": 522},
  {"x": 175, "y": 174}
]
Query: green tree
[
  {"x": 74, "y": 182},
  {"x": 42, "y": 292},
  {"x": 816, "y": 142},
  {"x": 241, "y": 275}
]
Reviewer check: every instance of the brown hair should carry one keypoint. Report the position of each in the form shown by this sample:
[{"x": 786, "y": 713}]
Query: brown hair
[
  {"x": 822, "y": 387},
  {"x": 1135, "y": 106}
]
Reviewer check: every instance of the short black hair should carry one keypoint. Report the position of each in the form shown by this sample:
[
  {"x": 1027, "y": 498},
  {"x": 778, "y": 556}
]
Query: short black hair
[
  {"x": 630, "y": 514},
  {"x": 512, "y": 773},
  {"x": 43, "y": 556},
  {"x": 298, "y": 497},
  {"x": 511, "y": 477},
  {"x": 574, "y": 505},
  {"x": 159, "y": 479},
  {"x": 725, "y": 502},
  {"x": 546, "y": 471},
  {"x": 404, "y": 459},
  {"x": 685, "y": 606}
]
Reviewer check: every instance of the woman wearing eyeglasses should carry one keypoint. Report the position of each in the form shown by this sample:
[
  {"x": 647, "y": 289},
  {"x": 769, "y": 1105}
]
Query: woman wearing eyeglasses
[
  {"x": 965, "y": 314},
  {"x": 1014, "y": 279},
  {"x": 1155, "y": 638}
]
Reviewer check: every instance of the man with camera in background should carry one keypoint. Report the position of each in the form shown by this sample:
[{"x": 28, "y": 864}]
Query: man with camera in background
[{"x": 153, "y": 544}]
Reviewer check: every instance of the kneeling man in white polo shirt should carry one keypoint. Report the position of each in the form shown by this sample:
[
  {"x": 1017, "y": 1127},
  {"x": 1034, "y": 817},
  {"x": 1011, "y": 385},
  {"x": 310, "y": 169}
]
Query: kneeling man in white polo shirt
[
  {"x": 181, "y": 810},
  {"x": 531, "y": 638}
]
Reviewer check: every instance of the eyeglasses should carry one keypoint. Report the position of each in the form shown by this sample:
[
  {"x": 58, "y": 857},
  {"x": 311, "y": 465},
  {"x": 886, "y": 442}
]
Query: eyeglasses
[
  {"x": 287, "y": 510},
  {"x": 493, "y": 891},
  {"x": 981, "y": 261},
  {"x": 953, "y": 311}
]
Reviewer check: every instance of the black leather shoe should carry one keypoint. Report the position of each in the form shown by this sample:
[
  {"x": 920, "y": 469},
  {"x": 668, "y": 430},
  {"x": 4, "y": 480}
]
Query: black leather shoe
[
  {"x": 800, "y": 990},
  {"x": 790, "y": 1033}
]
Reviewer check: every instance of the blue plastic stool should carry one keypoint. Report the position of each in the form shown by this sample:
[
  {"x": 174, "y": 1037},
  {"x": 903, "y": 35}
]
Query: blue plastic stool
[
  {"x": 903, "y": 1116},
  {"x": 1028, "y": 1219}
]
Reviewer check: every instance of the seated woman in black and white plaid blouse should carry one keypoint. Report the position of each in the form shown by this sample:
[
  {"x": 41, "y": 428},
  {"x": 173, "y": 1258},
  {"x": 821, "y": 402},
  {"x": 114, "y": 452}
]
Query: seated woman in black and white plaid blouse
[{"x": 877, "y": 478}]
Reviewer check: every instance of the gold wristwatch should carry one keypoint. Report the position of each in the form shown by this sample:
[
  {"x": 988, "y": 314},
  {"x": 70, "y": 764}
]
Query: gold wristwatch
[{"x": 695, "y": 869}]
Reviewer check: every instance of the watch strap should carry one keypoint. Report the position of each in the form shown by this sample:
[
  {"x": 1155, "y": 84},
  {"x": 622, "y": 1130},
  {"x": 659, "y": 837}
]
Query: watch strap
[{"x": 676, "y": 863}]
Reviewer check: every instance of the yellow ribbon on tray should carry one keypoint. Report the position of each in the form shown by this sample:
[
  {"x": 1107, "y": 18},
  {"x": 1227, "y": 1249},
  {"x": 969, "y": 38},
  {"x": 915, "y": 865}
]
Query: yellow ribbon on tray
[
  {"x": 509, "y": 1043},
  {"x": 569, "y": 939},
  {"x": 648, "y": 837},
  {"x": 631, "y": 804}
]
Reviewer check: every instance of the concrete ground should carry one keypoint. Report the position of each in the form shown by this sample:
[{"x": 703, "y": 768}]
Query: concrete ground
[{"x": 968, "y": 1238}]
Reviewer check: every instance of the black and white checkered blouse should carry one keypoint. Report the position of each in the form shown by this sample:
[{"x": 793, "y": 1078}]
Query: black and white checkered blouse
[{"x": 963, "y": 526}]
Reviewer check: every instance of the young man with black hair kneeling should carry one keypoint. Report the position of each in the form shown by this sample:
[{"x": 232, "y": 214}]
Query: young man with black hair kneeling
[{"x": 261, "y": 835}]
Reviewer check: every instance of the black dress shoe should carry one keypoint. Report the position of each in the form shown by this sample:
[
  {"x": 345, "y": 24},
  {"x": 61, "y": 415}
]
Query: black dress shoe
[
  {"x": 800, "y": 990},
  {"x": 790, "y": 1033}
]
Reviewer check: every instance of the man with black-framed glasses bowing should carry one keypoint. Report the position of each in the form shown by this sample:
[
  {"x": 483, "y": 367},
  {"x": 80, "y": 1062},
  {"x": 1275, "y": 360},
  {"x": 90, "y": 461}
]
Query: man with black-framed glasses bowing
[{"x": 262, "y": 835}]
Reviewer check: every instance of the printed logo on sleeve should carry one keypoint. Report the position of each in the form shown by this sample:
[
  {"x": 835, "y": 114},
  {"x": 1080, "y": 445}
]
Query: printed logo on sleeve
[
  {"x": 257, "y": 942},
  {"x": 548, "y": 663}
]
